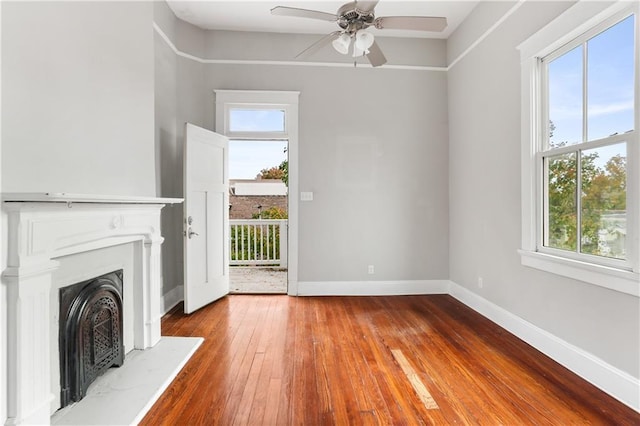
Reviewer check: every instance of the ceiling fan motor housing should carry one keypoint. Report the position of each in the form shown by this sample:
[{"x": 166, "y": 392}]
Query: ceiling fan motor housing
[{"x": 352, "y": 19}]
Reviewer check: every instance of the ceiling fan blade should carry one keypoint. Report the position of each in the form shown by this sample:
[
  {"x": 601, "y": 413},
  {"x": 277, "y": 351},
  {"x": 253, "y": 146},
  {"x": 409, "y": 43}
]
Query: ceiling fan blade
[
  {"x": 417, "y": 23},
  {"x": 303, "y": 13},
  {"x": 366, "y": 6},
  {"x": 318, "y": 44},
  {"x": 375, "y": 55}
]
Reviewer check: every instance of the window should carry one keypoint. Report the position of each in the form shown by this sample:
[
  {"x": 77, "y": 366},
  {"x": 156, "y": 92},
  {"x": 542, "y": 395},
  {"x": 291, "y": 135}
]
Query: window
[
  {"x": 256, "y": 120},
  {"x": 256, "y": 114},
  {"x": 580, "y": 147}
]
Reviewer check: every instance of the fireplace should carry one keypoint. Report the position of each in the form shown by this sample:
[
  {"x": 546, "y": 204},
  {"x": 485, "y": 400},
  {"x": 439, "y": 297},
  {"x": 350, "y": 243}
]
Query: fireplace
[
  {"x": 90, "y": 333},
  {"x": 53, "y": 242}
]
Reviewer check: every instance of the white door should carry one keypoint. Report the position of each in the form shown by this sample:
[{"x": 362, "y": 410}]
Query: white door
[{"x": 206, "y": 217}]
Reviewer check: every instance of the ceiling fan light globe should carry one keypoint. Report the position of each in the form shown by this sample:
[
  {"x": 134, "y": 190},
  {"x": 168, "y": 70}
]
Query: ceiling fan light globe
[
  {"x": 341, "y": 44},
  {"x": 340, "y": 48},
  {"x": 364, "y": 40}
]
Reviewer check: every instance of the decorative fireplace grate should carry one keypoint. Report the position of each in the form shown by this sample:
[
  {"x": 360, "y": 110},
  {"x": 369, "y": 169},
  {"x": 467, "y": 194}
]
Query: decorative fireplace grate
[{"x": 90, "y": 333}]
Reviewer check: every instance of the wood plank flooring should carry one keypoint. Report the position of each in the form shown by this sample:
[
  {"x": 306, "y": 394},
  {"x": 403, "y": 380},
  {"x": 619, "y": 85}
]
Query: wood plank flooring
[{"x": 280, "y": 360}]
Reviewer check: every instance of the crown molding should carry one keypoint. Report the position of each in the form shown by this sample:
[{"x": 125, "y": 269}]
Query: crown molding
[
  {"x": 178, "y": 52},
  {"x": 486, "y": 34},
  {"x": 464, "y": 53}
]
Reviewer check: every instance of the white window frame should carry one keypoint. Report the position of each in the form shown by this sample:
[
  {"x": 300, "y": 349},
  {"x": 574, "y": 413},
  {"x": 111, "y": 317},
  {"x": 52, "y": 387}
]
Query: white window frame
[
  {"x": 584, "y": 19},
  {"x": 226, "y": 100}
]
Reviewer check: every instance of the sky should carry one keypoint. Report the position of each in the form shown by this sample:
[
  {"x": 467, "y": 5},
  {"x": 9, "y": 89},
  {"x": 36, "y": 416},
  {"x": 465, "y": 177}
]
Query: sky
[
  {"x": 610, "y": 95},
  {"x": 247, "y": 158}
]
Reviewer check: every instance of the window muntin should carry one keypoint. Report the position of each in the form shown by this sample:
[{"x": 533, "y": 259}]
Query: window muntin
[{"x": 589, "y": 90}]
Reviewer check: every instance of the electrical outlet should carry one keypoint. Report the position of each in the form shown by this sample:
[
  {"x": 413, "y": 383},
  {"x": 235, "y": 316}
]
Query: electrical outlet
[
  {"x": 371, "y": 270},
  {"x": 480, "y": 282}
]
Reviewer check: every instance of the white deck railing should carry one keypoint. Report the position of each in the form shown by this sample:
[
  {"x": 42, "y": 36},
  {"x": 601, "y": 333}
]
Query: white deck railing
[{"x": 258, "y": 242}]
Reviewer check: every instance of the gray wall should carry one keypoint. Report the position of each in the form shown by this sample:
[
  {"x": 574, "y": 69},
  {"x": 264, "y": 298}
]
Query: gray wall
[
  {"x": 374, "y": 155},
  {"x": 373, "y": 152},
  {"x": 284, "y": 47},
  {"x": 484, "y": 177},
  {"x": 167, "y": 154},
  {"x": 180, "y": 97},
  {"x": 77, "y": 105}
]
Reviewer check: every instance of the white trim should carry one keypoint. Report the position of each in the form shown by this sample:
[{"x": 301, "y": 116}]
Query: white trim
[
  {"x": 165, "y": 37},
  {"x": 372, "y": 288},
  {"x": 269, "y": 97},
  {"x": 554, "y": 34},
  {"x": 178, "y": 52},
  {"x": 614, "y": 279},
  {"x": 227, "y": 100},
  {"x": 591, "y": 17},
  {"x": 608, "y": 378},
  {"x": 322, "y": 64},
  {"x": 486, "y": 34},
  {"x": 65, "y": 197},
  {"x": 529, "y": 115},
  {"x": 171, "y": 299}
]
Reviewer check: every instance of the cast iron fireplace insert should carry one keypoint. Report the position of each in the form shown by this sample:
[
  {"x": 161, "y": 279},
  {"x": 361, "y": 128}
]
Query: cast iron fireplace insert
[{"x": 90, "y": 333}]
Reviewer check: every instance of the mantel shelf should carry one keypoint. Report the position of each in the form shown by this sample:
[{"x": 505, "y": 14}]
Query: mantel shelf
[{"x": 63, "y": 197}]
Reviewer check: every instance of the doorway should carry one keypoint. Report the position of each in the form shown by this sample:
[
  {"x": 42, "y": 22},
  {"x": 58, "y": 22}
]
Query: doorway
[
  {"x": 258, "y": 216},
  {"x": 262, "y": 116}
]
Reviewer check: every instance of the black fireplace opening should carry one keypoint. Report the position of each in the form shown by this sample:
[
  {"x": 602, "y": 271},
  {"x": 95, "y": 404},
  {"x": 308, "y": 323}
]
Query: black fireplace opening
[{"x": 90, "y": 333}]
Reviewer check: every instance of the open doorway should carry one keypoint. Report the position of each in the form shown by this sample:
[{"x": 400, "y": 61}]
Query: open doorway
[
  {"x": 258, "y": 216},
  {"x": 267, "y": 116}
]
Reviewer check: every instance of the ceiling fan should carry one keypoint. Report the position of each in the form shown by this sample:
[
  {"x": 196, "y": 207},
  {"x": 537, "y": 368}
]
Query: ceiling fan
[{"x": 354, "y": 18}]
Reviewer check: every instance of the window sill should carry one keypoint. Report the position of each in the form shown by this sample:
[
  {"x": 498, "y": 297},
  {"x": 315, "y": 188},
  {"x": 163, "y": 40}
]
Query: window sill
[{"x": 603, "y": 276}]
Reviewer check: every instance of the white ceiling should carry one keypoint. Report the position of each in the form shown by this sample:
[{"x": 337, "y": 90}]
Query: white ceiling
[{"x": 254, "y": 15}]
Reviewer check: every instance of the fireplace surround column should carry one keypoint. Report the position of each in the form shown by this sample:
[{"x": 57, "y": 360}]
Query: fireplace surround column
[
  {"x": 152, "y": 267},
  {"x": 28, "y": 336}
]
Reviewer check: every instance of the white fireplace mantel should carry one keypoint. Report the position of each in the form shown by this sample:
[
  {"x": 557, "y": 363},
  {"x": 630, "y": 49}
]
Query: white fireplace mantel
[{"x": 43, "y": 227}]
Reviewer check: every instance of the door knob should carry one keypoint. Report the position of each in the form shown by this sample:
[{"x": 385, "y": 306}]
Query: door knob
[{"x": 191, "y": 233}]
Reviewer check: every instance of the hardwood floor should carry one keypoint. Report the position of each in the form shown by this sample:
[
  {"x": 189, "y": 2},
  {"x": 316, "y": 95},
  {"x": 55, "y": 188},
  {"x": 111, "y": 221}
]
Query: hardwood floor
[{"x": 271, "y": 360}]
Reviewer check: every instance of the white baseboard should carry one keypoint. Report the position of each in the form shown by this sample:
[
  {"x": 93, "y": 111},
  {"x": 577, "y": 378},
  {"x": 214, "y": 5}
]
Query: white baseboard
[
  {"x": 372, "y": 288},
  {"x": 171, "y": 299},
  {"x": 620, "y": 385}
]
